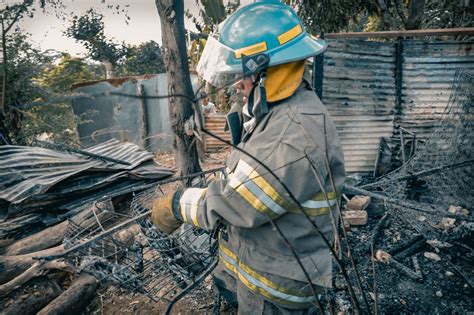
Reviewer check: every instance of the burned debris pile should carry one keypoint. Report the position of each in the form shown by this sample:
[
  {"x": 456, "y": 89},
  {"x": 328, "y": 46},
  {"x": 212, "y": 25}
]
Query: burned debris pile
[
  {"x": 417, "y": 249},
  {"x": 41, "y": 187},
  {"x": 45, "y": 193}
]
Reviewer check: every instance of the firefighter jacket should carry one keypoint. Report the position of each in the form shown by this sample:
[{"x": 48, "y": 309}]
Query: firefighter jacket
[{"x": 297, "y": 141}]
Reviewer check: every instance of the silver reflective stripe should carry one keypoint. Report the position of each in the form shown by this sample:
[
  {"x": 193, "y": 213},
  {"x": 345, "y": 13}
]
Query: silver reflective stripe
[
  {"x": 258, "y": 283},
  {"x": 259, "y": 193},
  {"x": 319, "y": 203},
  {"x": 189, "y": 202}
]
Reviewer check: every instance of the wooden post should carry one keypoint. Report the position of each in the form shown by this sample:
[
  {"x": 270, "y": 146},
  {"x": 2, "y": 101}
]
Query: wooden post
[{"x": 181, "y": 96}]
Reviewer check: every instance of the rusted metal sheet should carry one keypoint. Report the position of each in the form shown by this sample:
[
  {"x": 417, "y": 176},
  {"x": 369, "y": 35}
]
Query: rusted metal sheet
[
  {"x": 216, "y": 124},
  {"x": 127, "y": 109},
  {"x": 359, "y": 93},
  {"x": 428, "y": 73},
  {"x": 26, "y": 172}
]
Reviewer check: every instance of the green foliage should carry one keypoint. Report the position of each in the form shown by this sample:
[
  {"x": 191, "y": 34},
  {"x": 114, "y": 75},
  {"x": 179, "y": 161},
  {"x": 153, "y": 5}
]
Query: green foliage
[
  {"x": 36, "y": 93},
  {"x": 143, "y": 59},
  {"x": 89, "y": 30},
  {"x": 363, "y": 15},
  {"x": 55, "y": 122},
  {"x": 24, "y": 63},
  {"x": 59, "y": 78},
  {"x": 332, "y": 16}
]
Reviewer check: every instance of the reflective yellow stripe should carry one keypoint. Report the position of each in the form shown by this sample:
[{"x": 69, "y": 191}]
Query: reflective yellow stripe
[
  {"x": 257, "y": 191},
  {"x": 289, "y": 35},
  {"x": 251, "y": 50},
  {"x": 250, "y": 278},
  {"x": 316, "y": 211},
  {"x": 262, "y": 196},
  {"x": 248, "y": 196},
  {"x": 268, "y": 189}
]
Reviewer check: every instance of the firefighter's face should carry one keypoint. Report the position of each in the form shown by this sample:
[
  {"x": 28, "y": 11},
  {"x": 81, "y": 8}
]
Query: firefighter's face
[{"x": 244, "y": 87}]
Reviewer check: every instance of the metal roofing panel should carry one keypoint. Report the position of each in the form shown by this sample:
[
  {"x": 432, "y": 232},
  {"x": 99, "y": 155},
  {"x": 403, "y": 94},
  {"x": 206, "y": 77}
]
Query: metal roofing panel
[
  {"x": 29, "y": 171},
  {"x": 428, "y": 73},
  {"x": 359, "y": 93}
]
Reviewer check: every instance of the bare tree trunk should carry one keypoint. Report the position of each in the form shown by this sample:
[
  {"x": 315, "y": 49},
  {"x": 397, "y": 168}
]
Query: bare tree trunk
[
  {"x": 179, "y": 84},
  {"x": 109, "y": 69},
  {"x": 4, "y": 70},
  {"x": 3, "y": 129}
]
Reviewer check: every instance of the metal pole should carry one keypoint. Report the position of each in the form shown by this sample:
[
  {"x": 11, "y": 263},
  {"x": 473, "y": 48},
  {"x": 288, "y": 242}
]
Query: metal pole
[{"x": 318, "y": 72}]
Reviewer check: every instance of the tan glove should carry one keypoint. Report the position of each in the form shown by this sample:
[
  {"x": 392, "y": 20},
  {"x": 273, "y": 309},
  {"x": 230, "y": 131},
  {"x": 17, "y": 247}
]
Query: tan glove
[{"x": 162, "y": 214}]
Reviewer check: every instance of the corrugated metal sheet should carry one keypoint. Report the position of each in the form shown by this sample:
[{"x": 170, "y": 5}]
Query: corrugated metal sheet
[
  {"x": 428, "y": 73},
  {"x": 124, "y": 115},
  {"x": 216, "y": 124},
  {"x": 30, "y": 171},
  {"x": 130, "y": 109},
  {"x": 359, "y": 92}
]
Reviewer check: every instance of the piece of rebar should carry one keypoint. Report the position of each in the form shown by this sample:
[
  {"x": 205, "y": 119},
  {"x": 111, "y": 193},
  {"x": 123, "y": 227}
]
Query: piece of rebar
[
  {"x": 374, "y": 275},
  {"x": 402, "y": 146},
  {"x": 338, "y": 208}
]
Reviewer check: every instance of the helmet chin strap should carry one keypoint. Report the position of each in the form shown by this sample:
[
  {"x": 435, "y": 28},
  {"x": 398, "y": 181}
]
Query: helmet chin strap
[{"x": 256, "y": 107}]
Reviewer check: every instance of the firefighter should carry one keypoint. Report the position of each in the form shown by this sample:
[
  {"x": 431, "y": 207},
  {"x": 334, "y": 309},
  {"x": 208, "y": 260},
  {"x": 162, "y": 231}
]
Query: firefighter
[{"x": 283, "y": 127}]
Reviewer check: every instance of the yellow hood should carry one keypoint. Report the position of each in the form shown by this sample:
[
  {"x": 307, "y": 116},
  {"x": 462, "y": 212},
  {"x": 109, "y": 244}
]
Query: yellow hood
[{"x": 283, "y": 80}]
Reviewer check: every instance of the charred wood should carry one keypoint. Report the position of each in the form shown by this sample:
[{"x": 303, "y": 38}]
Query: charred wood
[
  {"x": 398, "y": 248},
  {"x": 36, "y": 295},
  {"x": 75, "y": 299},
  {"x": 40, "y": 267},
  {"x": 377, "y": 230},
  {"x": 44, "y": 239},
  {"x": 386, "y": 258},
  {"x": 12, "y": 266}
]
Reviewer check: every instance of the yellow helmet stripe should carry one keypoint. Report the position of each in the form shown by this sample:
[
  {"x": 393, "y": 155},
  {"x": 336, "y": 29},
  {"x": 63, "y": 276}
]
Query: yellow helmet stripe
[
  {"x": 251, "y": 50},
  {"x": 289, "y": 35}
]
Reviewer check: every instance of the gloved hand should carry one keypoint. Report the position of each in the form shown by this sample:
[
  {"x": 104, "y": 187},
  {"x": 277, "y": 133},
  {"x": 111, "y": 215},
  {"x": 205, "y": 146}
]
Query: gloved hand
[{"x": 162, "y": 214}]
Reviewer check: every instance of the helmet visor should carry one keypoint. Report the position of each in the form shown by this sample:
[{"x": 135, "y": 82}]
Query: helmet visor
[{"x": 218, "y": 64}]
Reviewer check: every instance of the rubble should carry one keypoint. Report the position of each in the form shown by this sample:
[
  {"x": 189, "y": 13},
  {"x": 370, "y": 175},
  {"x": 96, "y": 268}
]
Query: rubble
[
  {"x": 355, "y": 217},
  {"x": 458, "y": 210},
  {"x": 432, "y": 256},
  {"x": 45, "y": 195},
  {"x": 358, "y": 202}
]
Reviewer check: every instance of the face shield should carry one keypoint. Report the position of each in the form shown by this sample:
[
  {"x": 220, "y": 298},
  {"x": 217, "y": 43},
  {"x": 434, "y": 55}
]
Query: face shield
[{"x": 218, "y": 64}]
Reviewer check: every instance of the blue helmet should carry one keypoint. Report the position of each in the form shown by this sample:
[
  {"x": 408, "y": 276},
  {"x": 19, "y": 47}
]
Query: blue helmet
[{"x": 265, "y": 26}]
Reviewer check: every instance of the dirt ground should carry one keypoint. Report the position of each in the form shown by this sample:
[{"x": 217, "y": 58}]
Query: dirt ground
[{"x": 442, "y": 289}]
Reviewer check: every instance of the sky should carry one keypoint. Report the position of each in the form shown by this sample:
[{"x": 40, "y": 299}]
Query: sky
[{"x": 47, "y": 29}]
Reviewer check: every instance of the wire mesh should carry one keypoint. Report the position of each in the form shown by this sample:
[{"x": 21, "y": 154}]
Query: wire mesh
[
  {"x": 439, "y": 176},
  {"x": 440, "y": 172},
  {"x": 127, "y": 250}
]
